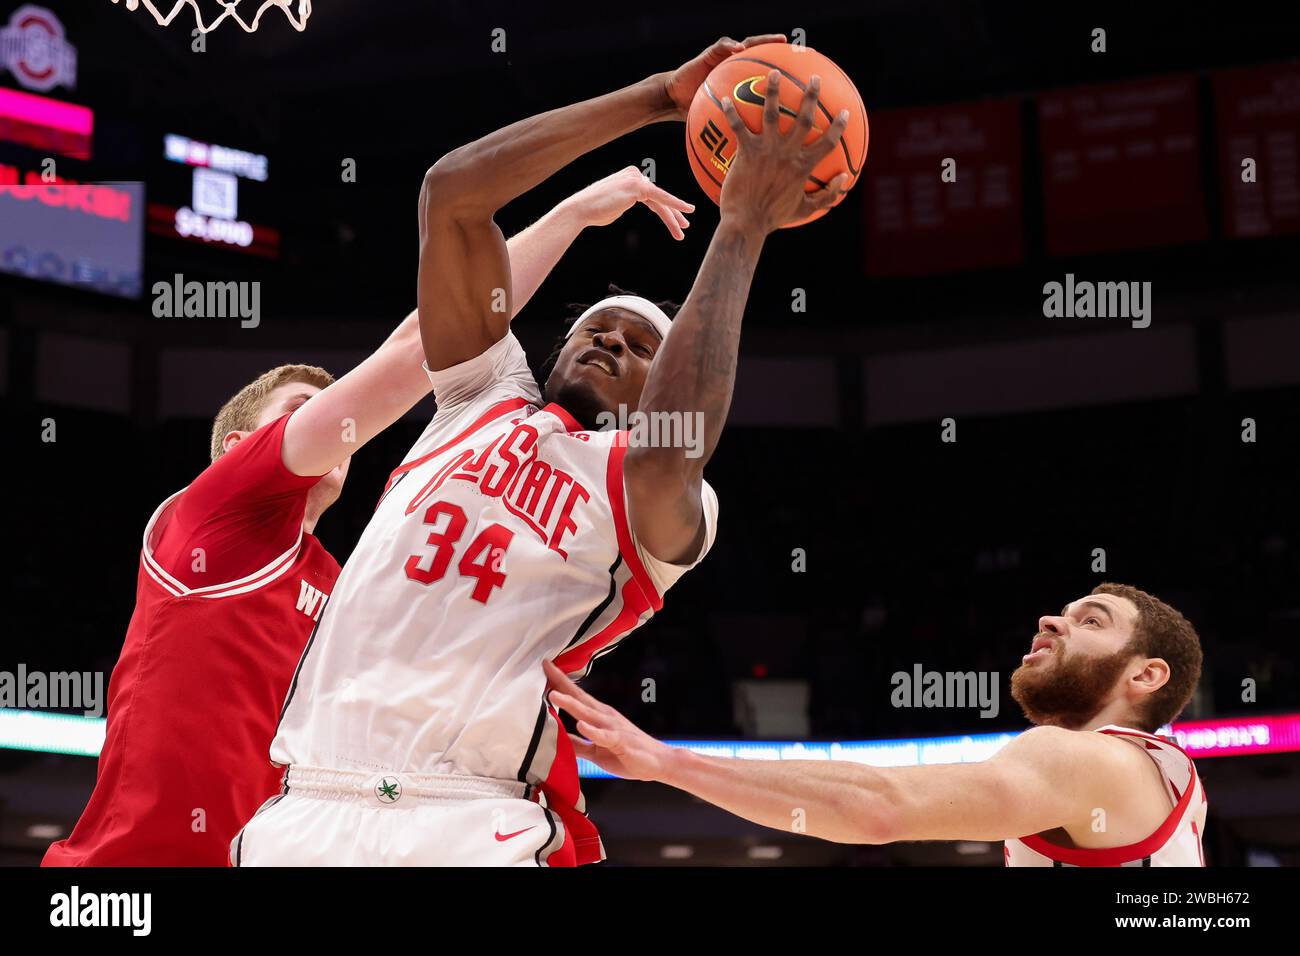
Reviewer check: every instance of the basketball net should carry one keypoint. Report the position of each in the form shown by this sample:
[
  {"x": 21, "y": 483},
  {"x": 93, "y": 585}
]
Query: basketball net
[{"x": 229, "y": 11}]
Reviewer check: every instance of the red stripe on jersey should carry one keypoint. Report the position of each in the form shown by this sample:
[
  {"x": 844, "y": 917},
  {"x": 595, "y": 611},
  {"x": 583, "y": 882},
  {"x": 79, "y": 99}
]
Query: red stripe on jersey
[
  {"x": 638, "y": 594},
  {"x": 498, "y": 410},
  {"x": 576, "y": 659},
  {"x": 1114, "y": 856},
  {"x": 570, "y": 423},
  {"x": 626, "y": 542},
  {"x": 563, "y": 796}
]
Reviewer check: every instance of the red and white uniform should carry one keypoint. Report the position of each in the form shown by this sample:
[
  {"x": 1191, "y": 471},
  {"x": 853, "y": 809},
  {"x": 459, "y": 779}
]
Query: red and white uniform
[
  {"x": 229, "y": 590},
  {"x": 1177, "y": 841},
  {"x": 415, "y": 730}
]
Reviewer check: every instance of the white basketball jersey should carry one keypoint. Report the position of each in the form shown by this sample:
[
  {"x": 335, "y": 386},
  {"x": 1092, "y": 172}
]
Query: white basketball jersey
[
  {"x": 1177, "y": 842},
  {"x": 503, "y": 540}
]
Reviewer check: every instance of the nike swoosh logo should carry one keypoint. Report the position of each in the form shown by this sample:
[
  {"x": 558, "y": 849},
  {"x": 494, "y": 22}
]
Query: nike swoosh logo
[
  {"x": 502, "y": 837},
  {"x": 746, "y": 93}
]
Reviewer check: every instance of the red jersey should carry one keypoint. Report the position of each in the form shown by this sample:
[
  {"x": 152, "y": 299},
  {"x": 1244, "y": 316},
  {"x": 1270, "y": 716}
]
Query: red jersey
[{"x": 229, "y": 590}]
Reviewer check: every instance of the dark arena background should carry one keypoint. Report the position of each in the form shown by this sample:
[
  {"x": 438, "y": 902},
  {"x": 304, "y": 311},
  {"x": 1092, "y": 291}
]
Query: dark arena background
[{"x": 920, "y": 459}]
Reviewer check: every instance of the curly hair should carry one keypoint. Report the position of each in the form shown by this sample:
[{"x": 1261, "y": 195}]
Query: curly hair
[{"x": 1161, "y": 631}]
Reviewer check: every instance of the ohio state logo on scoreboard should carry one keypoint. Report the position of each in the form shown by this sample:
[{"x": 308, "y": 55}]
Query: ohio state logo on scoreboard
[{"x": 34, "y": 50}]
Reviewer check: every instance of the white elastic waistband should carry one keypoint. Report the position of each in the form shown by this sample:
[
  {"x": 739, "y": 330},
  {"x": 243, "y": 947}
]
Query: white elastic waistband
[{"x": 391, "y": 788}]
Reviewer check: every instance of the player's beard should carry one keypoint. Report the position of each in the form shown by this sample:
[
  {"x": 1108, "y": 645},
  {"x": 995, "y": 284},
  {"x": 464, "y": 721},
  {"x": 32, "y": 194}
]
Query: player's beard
[{"x": 1069, "y": 689}]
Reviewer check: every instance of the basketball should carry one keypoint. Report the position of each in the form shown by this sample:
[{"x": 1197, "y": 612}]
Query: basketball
[{"x": 710, "y": 145}]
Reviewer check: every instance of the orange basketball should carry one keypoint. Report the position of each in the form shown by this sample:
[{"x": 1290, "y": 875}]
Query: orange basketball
[{"x": 710, "y": 144}]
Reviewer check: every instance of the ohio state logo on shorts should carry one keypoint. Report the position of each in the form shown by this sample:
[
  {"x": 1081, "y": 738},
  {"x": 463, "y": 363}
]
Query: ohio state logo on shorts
[{"x": 33, "y": 49}]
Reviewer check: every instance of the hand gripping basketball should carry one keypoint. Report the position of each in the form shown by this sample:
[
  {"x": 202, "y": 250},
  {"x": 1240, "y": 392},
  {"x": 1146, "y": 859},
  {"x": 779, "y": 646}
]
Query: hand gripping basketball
[
  {"x": 682, "y": 84},
  {"x": 765, "y": 187}
]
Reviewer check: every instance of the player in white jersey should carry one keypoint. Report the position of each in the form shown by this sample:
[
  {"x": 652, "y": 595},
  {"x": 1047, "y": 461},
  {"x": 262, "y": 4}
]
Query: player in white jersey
[
  {"x": 1091, "y": 785},
  {"x": 519, "y": 530}
]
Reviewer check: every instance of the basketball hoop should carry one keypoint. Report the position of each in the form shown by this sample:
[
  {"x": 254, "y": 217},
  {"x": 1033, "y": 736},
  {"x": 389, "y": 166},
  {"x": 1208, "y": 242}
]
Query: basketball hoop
[{"x": 298, "y": 22}]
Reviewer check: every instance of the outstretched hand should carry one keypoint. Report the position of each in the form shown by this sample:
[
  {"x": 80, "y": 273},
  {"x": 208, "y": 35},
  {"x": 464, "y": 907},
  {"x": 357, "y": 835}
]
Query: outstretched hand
[
  {"x": 682, "y": 83},
  {"x": 613, "y": 743},
  {"x": 606, "y": 199},
  {"x": 765, "y": 185}
]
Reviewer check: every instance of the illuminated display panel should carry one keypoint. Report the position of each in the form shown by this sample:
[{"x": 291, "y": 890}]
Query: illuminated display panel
[
  {"x": 65, "y": 733},
  {"x": 213, "y": 195},
  {"x": 83, "y": 235},
  {"x": 46, "y": 125}
]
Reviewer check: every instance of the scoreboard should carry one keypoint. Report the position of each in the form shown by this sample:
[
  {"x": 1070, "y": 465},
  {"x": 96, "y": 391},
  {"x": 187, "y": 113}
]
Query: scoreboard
[
  {"x": 213, "y": 195},
  {"x": 55, "y": 224},
  {"x": 62, "y": 222},
  {"x": 74, "y": 234}
]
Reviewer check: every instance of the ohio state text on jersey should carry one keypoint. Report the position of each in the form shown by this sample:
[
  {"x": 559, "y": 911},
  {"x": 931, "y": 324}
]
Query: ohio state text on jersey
[{"x": 502, "y": 541}]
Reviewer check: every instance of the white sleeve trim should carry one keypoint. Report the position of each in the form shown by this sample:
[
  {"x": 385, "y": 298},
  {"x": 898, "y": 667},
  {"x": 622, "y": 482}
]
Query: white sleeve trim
[
  {"x": 503, "y": 361},
  {"x": 665, "y": 574}
]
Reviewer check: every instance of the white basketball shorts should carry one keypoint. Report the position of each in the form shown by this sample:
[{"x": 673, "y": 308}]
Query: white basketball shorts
[{"x": 350, "y": 818}]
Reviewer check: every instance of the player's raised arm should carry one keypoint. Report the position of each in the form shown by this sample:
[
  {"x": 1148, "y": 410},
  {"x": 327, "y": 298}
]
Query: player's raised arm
[
  {"x": 695, "y": 368},
  {"x": 334, "y": 423},
  {"x": 465, "y": 285},
  {"x": 535, "y": 251},
  {"x": 1043, "y": 779}
]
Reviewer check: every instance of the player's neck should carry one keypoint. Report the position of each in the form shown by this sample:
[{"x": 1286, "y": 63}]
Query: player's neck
[
  {"x": 1116, "y": 713},
  {"x": 318, "y": 500}
]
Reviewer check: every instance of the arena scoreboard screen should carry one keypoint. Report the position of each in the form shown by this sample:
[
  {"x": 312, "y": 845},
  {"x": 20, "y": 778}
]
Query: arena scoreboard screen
[
  {"x": 84, "y": 235},
  {"x": 211, "y": 194},
  {"x": 58, "y": 223}
]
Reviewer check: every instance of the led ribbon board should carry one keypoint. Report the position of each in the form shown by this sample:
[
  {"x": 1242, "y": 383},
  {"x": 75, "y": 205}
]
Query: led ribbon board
[
  {"x": 1226, "y": 737},
  {"x": 51, "y": 126}
]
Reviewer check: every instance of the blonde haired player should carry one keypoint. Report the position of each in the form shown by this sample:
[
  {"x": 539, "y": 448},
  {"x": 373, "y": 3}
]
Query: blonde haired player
[
  {"x": 416, "y": 730},
  {"x": 1091, "y": 785}
]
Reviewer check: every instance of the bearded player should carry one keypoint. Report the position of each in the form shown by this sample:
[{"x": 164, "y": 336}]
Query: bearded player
[
  {"x": 1091, "y": 785},
  {"x": 416, "y": 731},
  {"x": 232, "y": 580}
]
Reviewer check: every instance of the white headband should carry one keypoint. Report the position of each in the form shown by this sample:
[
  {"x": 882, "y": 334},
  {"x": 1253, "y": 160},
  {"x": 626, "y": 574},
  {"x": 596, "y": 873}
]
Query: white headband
[{"x": 630, "y": 303}]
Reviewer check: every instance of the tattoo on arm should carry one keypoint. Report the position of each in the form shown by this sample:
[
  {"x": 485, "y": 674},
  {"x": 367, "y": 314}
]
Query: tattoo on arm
[{"x": 697, "y": 368}]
